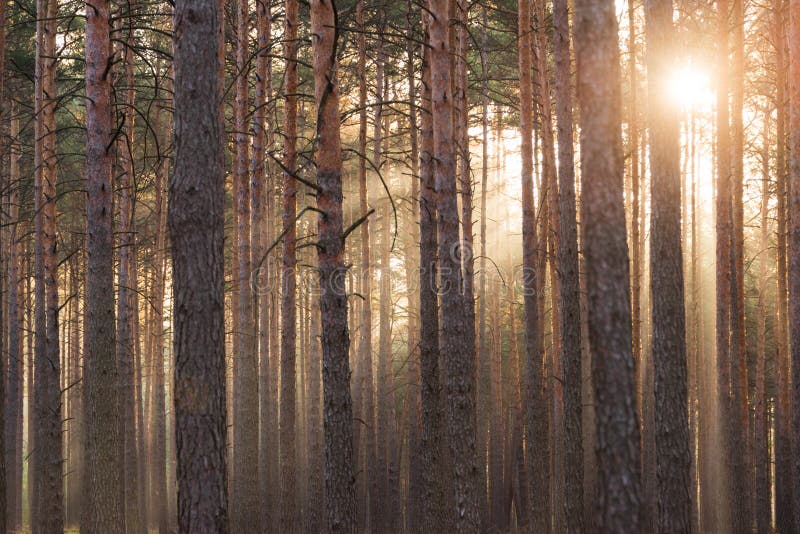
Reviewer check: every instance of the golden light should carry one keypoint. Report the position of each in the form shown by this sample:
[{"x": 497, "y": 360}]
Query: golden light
[{"x": 690, "y": 88}]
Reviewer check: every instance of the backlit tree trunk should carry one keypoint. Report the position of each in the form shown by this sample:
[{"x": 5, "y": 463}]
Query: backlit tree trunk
[
  {"x": 761, "y": 436},
  {"x": 673, "y": 459},
  {"x": 741, "y": 464},
  {"x": 534, "y": 403},
  {"x": 783, "y": 453},
  {"x": 794, "y": 242},
  {"x": 13, "y": 413},
  {"x": 158, "y": 473},
  {"x": 724, "y": 242}
]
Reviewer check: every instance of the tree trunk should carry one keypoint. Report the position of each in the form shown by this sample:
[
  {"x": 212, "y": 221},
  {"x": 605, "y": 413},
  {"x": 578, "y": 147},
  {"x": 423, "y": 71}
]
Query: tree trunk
[
  {"x": 673, "y": 459},
  {"x": 158, "y": 454},
  {"x": 432, "y": 403},
  {"x": 569, "y": 286},
  {"x": 315, "y": 494},
  {"x": 245, "y": 513},
  {"x": 497, "y": 426},
  {"x": 695, "y": 338},
  {"x": 368, "y": 483},
  {"x": 723, "y": 262},
  {"x": 47, "y": 391},
  {"x": 415, "y": 486},
  {"x": 102, "y": 505},
  {"x": 380, "y": 501},
  {"x": 289, "y": 519},
  {"x": 460, "y": 363},
  {"x": 761, "y": 436},
  {"x": 196, "y": 224},
  {"x": 515, "y": 464},
  {"x": 31, "y": 329},
  {"x": 740, "y": 441},
  {"x": 608, "y": 281},
  {"x": 794, "y": 242},
  {"x": 338, "y": 416},
  {"x": 6, "y": 244},
  {"x": 783, "y": 472},
  {"x": 13, "y": 435},
  {"x": 535, "y": 404},
  {"x": 633, "y": 149},
  {"x": 126, "y": 338},
  {"x": 466, "y": 251},
  {"x": 261, "y": 236},
  {"x": 493, "y": 356}
]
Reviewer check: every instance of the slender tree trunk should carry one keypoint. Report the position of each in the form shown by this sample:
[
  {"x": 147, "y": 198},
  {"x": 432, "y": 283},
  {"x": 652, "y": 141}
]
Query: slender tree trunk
[
  {"x": 316, "y": 453},
  {"x": 102, "y": 506},
  {"x": 516, "y": 453},
  {"x": 535, "y": 404},
  {"x": 493, "y": 356},
  {"x": 694, "y": 315},
  {"x": 289, "y": 520},
  {"x": 741, "y": 464},
  {"x": 158, "y": 475},
  {"x": 368, "y": 484},
  {"x": 794, "y": 242},
  {"x": 245, "y": 513},
  {"x": 6, "y": 468},
  {"x": 633, "y": 149},
  {"x": 783, "y": 480},
  {"x": 380, "y": 503},
  {"x": 75, "y": 464},
  {"x": 47, "y": 480},
  {"x": 642, "y": 364},
  {"x": 550, "y": 241},
  {"x": 466, "y": 251},
  {"x": 415, "y": 486},
  {"x": 31, "y": 328},
  {"x": 673, "y": 459},
  {"x": 761, "y": 437},
  {"x": 13, "y": 435},
  {"x": 338, "y": 416},
  {"x": 608, "y": 280},
  {"x": 126, "y": 338},
  {"x": 196, "y": 225},
  {"x": 569, "y": 286},
  {"x": 140, "y": 481},
  {"x": 460, "y": 363},
  {"x": 262, "y": 272},
  {"x": 497, "y": 427},
  {"x": 393, "y": 507},
  {"x": 434, "y": 511},
  {"x": 723, "y": 259}
]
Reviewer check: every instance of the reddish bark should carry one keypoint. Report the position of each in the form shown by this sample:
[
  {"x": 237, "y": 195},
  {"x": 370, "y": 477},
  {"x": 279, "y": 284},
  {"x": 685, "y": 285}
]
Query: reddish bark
[{"x": 102, "y": 504}]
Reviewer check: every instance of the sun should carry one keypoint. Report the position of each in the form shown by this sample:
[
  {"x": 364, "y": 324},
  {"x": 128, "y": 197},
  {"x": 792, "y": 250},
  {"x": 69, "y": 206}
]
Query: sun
[{"x": 690, "y": 88}]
